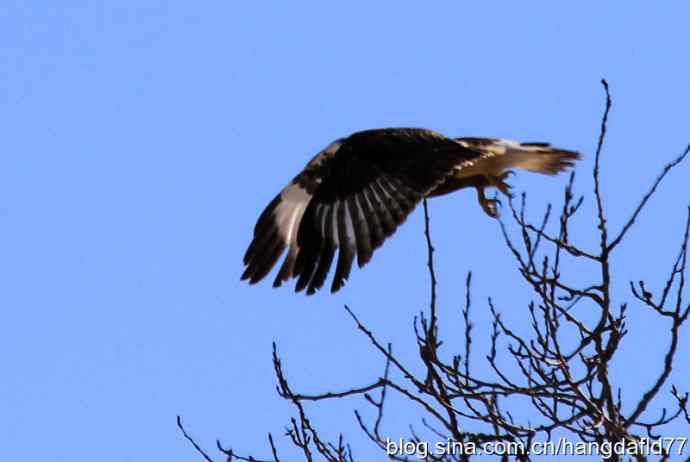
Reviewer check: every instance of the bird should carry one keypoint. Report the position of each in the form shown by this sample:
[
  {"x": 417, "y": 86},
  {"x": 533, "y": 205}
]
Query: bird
[{"x": 354, "y": 194}]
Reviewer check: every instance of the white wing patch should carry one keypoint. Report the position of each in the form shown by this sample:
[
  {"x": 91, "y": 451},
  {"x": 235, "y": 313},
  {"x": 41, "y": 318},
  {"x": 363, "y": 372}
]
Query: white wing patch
[{"x": 288, "y": 213}]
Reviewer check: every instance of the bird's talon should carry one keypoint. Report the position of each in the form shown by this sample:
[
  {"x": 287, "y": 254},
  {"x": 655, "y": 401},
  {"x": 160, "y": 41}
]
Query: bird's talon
[
  {"x": 500, "y": 183},
  {"x": 505, "y": 189},
  {"x": 491, "y": 207}
]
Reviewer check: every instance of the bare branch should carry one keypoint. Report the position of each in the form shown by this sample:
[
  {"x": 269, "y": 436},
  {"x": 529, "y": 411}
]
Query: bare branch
[
  {"x": 191, "y": 440},
  {"x": 597, "y": 167},
  {"x": 645, "y": 199}
]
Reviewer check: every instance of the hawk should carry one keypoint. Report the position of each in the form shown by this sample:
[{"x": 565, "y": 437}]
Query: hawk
[{"x": 356, "y": 192}]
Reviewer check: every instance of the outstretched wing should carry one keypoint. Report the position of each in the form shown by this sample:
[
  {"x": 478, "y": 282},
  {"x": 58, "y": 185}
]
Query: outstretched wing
[{"x": 349, "y": 198}]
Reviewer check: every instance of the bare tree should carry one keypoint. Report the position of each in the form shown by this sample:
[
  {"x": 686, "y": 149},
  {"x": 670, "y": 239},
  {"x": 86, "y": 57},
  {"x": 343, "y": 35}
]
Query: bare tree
[{"x": 562, "y": 367}]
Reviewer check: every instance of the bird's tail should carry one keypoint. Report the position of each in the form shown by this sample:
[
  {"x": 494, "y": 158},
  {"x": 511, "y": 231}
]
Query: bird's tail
[{"x": 499, "y": 155}]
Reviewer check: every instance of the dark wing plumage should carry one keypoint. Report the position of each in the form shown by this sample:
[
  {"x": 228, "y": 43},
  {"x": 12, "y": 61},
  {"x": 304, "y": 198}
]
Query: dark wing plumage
[{"x": 349, "y": 198}]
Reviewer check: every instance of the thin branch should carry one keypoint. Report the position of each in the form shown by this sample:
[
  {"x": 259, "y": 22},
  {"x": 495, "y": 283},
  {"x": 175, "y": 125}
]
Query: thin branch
[
  {"x": 597, "y": 164},
  {"x": 468, "y": 325},
  {"x": 191, "y": 440},
  {"x": 432, "y": 274},
  {"x": 380, "y": 383},
  {"x": 647, "y": 196}
]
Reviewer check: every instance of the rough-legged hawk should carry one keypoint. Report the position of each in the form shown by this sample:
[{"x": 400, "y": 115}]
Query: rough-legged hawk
[{"x": 354, "y": 194}]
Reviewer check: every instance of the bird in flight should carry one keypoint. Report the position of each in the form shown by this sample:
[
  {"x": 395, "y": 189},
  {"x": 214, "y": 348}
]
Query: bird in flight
[{"x": 356, "y": 192}]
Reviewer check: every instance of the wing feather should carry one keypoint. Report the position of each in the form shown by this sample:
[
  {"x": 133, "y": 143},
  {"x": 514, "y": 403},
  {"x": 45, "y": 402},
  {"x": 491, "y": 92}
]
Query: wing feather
[
  {"x": 361, "y": 229},
  {"x": 329, "y": 229},
  {"x": 382, "y": 209},
  {"x": 349, "y": 198},
  {"x": 372, "y": 217},
  {"x": 347, "y": 249},
  {"x": 499, "y": 155}
]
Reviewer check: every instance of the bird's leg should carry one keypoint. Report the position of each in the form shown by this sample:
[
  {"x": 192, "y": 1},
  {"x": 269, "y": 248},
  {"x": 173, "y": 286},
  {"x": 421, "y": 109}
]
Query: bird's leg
[{"x": 491, "y": 206}]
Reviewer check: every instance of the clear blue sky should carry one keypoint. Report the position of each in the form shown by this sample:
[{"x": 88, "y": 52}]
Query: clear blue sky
[{"x": 140, "y": 140}]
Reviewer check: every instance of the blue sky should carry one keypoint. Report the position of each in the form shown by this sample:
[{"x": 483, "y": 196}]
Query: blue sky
[{"x": 141, "y": 139}]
